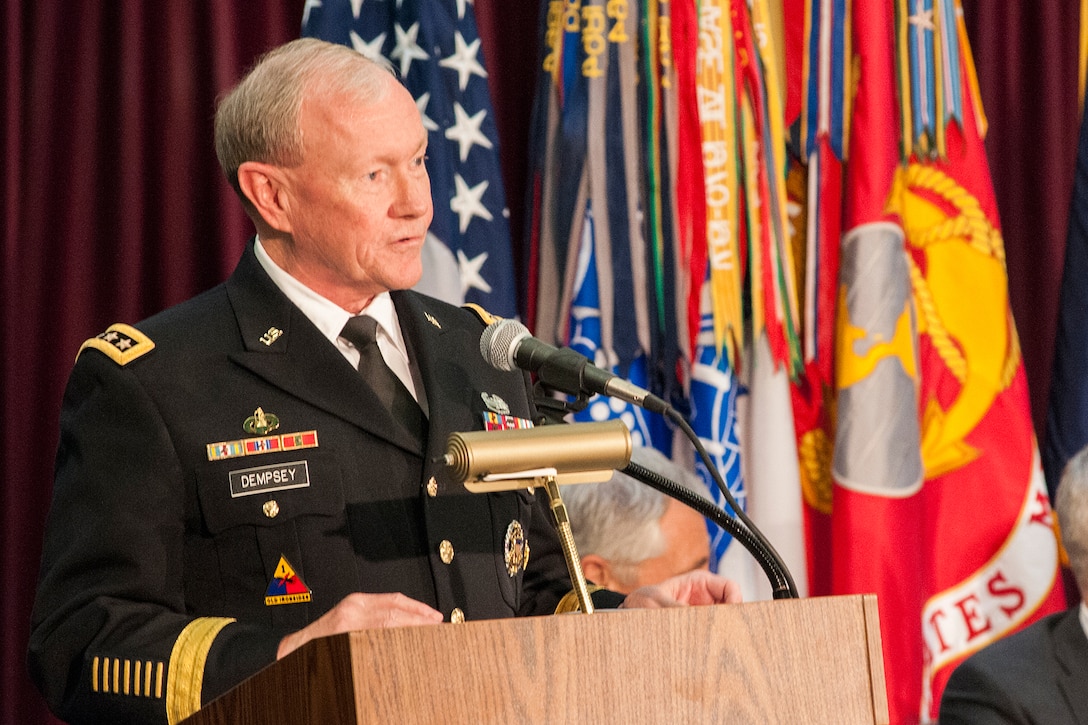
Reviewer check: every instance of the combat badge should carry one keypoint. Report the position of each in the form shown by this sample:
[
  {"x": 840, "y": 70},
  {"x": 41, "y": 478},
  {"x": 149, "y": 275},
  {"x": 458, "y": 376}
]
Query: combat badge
[
  {"x": 286, "y": 587},
  {"x": 260, "y": 423},
  {"x": 515, "y": 548},
  {"x": 121, "y": 343},
  {"x": 495, "y": 403}
]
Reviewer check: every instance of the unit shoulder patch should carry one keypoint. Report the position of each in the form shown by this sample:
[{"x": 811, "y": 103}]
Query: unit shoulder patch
[
  {"x": 484, "y": 316},
  {"x": 121, "y": 343}
]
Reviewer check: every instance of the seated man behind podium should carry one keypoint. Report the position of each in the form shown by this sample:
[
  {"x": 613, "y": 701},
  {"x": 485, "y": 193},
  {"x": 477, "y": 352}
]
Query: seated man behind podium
[
  {"x": 229, "y": 486},
  {"x": 1038, "y": 675},
  {"x": 630, "y": 535}
]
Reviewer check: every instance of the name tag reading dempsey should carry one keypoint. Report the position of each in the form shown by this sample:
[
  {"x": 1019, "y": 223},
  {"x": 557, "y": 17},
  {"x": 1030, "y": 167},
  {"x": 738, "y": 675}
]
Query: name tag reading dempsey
[{"x": 264, "y": 479}]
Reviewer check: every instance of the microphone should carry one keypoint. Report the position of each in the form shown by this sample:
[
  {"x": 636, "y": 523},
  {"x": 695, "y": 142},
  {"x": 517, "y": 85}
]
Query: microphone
[
  {"x": 575, "y": 453},
  {"x": 507, "y": 345}
]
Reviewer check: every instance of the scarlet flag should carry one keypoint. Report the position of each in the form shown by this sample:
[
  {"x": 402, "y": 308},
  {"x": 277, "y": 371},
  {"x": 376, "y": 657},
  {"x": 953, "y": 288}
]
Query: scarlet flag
[{"x": 939, "y": 504}]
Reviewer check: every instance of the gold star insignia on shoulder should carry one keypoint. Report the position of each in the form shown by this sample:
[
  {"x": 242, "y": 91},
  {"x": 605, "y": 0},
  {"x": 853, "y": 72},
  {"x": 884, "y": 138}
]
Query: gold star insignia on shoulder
[{"x": 121, "y": 343}]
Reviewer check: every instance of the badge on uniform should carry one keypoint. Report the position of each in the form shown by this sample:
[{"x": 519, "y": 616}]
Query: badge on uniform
[
  {"x": 259, "y": 424},
  {"x": 494, "y": 421},
  {"x": 515, "y": 548},
  {"x": 497, "y": 416},
  {"x": 271, "y": 336},
  {"x": 286, "y": 587},
  {"x": 495, "y": 403},
  {"x": 121, "y": 343}
]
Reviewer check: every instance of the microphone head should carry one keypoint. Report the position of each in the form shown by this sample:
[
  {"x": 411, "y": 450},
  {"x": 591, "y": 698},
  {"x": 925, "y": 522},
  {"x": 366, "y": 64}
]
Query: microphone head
[{"x": 499, "y": 342}]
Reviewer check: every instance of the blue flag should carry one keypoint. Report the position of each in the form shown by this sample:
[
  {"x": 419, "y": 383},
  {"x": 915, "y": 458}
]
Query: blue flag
[
  {"x": 714, "y": 392},
  {"x": 1067, "y": 417},
  {"x": 585, "y": 338},
  {"x": 435, "y": 47}
]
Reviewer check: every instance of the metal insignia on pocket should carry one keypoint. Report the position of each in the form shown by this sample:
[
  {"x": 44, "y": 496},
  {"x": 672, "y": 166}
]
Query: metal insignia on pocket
[{"x": 515, "y": 548}]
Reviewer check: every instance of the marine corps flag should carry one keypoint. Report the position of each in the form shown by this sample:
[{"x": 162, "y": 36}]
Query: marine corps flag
[
  {"x": 939, "y": 503},
  {"x": 435, "y": 48}
]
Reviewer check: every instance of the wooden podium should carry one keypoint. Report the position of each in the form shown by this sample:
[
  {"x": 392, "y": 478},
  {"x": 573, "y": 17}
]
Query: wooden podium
[{"x": 811, "y": 661}]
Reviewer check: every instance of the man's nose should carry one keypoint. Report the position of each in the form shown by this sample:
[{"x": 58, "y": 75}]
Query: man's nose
[{"x": 413, "y": 195}]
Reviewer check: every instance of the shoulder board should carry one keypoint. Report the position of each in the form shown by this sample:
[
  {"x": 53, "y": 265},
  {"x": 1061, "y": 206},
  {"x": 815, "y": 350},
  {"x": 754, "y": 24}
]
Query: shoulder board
[
  {"x": 485, "y": 317},
  {"x": 122, "y": 343}
]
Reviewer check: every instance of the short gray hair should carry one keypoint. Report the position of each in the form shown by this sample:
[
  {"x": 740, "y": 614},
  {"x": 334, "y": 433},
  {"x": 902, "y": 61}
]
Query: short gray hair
[
  {"x": 1071, "y": 505},
  {"x": 259, "y": 119},
  {"x": 619, "y": 520}
]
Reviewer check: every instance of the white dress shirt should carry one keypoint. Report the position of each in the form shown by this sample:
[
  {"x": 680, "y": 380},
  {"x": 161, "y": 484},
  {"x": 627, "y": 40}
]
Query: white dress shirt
[{"x": 330, "y": 319}]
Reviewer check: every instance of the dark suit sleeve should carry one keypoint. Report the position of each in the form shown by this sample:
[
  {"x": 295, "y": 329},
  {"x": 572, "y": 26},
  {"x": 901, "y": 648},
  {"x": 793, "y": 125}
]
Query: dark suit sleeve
[
  {"x": 111, "y": 639},
  {"x": 973, "y": 696}
]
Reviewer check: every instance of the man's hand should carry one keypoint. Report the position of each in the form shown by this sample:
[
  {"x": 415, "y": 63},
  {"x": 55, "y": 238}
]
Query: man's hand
[
  {"x": 694, "y": 587},
  {"x": 362, "y": 611}
]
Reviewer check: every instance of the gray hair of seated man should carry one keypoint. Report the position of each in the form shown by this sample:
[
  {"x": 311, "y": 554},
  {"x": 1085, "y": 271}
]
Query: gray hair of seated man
[
  {"x": 1071, "y": 505},
  {"x": 619, "y": 520}
]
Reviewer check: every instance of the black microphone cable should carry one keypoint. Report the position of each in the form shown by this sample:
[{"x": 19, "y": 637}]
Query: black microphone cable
[
  {"x": 567, "y": 371},
  {"x": 778, "y": 575}
]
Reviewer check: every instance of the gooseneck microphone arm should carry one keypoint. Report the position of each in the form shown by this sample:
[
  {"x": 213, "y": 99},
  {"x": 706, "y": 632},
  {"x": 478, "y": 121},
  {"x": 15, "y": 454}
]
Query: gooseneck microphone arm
[
  {"x": 508, "y": 345},
  {"x": 781, "y": 583}
]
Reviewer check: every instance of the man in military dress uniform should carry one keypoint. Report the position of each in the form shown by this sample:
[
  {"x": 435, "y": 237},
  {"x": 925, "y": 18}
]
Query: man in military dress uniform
[{"x": 228, "y": 486}]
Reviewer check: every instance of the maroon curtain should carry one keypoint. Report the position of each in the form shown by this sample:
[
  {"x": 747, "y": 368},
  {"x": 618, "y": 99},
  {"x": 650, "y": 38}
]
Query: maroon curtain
[
  {"x": 114, "y": 207},
  {"x": 1026, "y": 53}
]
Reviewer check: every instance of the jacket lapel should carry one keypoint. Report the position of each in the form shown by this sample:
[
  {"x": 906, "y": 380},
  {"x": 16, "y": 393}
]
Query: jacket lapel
[
  {"x": 443, "y": 348},
  {"x": 286, "y": 350}
]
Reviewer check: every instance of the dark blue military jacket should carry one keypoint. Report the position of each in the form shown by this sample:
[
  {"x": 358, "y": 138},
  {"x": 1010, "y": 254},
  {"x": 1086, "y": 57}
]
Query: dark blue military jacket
[{"x": 224, "y": 477}]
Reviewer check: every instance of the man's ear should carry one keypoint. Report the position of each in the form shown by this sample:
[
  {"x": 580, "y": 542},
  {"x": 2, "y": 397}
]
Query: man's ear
[
  {"x": 598, "y": 570},
  {"x": 264, "y": 186}
]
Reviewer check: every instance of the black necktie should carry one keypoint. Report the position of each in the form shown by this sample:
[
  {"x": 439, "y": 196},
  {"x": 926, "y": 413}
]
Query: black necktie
[{"x": 361, "y": 331}]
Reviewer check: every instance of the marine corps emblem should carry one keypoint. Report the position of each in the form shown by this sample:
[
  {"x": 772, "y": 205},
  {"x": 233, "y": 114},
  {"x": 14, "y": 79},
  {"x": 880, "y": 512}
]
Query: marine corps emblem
[{"x": 515, "y": 548}]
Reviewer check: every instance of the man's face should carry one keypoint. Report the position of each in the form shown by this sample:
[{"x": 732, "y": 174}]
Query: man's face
[
  {"x": 359, "y": 205},
  {"x": 687, "y": 549}
]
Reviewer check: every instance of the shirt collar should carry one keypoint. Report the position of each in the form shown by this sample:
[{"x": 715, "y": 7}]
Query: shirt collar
[{"x": 326, "y": 315}]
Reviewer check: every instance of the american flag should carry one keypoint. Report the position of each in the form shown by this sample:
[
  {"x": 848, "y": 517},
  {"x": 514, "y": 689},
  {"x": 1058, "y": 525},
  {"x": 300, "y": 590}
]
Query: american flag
[{"x": 435, "y": 48}]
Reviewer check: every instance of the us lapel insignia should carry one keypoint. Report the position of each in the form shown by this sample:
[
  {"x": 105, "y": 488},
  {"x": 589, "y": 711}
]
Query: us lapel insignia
[
  {"x": 495, "y": 403},
  {"x": 271, "y": 336},
  {"x": 286, "y": 587},
  {"x": 260, "y": 423},
  {"x": 431, "y": 319},
  {"x": 515, "y": 548}
]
